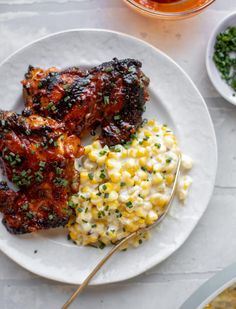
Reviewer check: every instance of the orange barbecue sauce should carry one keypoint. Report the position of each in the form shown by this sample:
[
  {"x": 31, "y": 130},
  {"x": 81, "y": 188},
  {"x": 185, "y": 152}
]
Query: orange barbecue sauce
[{"x": 171, "y": 5}]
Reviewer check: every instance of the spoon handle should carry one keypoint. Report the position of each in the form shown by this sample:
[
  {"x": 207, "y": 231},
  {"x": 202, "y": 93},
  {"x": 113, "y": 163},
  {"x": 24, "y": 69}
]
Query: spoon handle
[{"x": 96, "y": 269}]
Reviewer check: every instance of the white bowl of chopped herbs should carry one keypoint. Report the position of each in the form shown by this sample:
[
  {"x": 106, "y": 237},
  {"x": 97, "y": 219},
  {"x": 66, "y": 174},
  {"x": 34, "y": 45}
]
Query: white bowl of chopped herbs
[{"x": 221, "y": 58}]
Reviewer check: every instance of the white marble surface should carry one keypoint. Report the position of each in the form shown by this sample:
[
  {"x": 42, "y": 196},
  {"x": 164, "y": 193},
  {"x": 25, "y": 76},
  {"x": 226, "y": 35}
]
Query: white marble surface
[{"x": 212, "y": 245}]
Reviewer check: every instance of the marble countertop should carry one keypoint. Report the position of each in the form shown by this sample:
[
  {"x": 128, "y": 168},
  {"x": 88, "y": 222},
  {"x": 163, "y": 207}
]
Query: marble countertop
[{"x": 211, "y": 246}]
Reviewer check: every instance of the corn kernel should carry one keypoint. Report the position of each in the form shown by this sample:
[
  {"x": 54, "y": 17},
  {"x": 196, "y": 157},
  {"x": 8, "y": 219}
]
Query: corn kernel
[
  {"x": 138, "y": 182},
  {"x": 126, "y": 175},
  {"x": 155, "y": 129},
  {"x": 124, "y": 153},
  {"x": 157, "y": 179},
  {"x": 151, "y": 122},
  {"x": 142, "y": 161},
  {"x": 169, "y": 179},
  {"x": 140, "y": 223},
  {"x": 112, "y": 196},
  {"x": 93, "y": 156},
  {"x": 110, "y": 163},
  {"x": 141, "y": 152},
  {"x": 112, "y": 155},
  {"x": 73, "y": 235},
  {"x": 87, "y": 149},
  {"x": 132, "y": 153},
  {"x": 186, "y": 185},
  {"x": 145, "y": 185},
  {"x": 96, "y": 145},
  {"x": 146, "y": 144},
  {"x": 145, "y": 192},
  {"x": 149, "y": 221},
  {"x": 147, "y": 133},
  {"x": 149, "y": 166},
  {"x": 115, "y": 176},
  {"x": 83, "y": 177},
  {"x": 131, "y": 228},
  {"x": 134, "y": 143},
  {"x": 94, "y": 212},
  {"x": 92, "y": 239},
  {"x": 131, "y": 166},
  {"x": 162, "y": 202},
  {"x": 98, "y": 203},
  {"x": 140, "y": 212},
  {"x": 142, "y": 175},
  {"x": 113, "y": 205},
  {"x": 101, "y": 160}
]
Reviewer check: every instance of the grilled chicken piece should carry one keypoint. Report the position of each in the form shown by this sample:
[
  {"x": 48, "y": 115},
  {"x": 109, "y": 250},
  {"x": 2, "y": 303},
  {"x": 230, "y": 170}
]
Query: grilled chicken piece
[
  {"x": 39, "y": 147},
  {"x": 38, "y": 156},
  {"x": 111, "y": 95}
]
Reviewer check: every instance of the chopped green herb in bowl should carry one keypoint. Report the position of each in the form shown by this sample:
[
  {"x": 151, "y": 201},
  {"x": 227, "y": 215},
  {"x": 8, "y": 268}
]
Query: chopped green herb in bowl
[{"x": 224, "y": 55}]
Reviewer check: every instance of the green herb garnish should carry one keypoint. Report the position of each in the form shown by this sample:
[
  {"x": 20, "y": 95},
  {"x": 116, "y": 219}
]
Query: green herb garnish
[
  {"x": 224, "y": 59},
  {"x": 158, "y": 145},
  {"x": 102, "y": 153},
  {"x": 90, "y": 176},
  {"x": 106, "y": 100},
  {"x": 42, "y": 164},
  {"x": 60, "y": 182},
  {"x": 102, "y": 175},
  {"x": 72, "y": 204},
  {"x": 129, "y": 204},
  {"x": 117, "y": 117},
  {"x": 168, "y": 160},
  {"x": 25, "y": 206}
]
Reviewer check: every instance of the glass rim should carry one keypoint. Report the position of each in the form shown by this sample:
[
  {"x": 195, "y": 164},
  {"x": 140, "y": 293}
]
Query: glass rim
[{"x": 154, "y": 12}]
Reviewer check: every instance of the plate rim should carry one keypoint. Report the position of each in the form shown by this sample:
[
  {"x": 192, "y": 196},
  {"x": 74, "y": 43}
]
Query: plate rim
[{"x": 210, "y": 193}]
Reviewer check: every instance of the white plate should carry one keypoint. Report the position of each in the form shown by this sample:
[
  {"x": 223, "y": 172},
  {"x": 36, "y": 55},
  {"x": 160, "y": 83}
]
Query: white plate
[
  {"x": 224, "y": 90},
  {"x": 174, "y": 100}
]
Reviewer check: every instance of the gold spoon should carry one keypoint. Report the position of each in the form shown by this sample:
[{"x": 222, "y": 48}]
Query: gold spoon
[{"x": 125, "y": 240}]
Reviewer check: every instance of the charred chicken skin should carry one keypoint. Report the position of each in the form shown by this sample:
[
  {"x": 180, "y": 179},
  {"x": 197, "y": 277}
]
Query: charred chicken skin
[
  {"x": 112, "y": 95},
  {"x": 38, "y": 157},
  {"x": 39, "y": 147}
]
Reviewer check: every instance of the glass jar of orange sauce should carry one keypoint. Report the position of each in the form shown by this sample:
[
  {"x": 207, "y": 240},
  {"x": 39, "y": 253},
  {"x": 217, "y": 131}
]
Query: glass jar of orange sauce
[{"x": 169, "y": 9}]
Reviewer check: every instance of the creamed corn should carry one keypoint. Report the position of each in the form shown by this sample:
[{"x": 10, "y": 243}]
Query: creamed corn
[{"x": 126, "y": 187}]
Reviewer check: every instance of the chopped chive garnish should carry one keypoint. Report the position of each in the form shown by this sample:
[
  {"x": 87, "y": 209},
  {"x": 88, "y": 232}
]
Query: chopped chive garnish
[
  {"x": 72, "y": 204},
  {"x": 102, "y": 175},
  {"x": 90, "y": 175},
  {"x": 129, "y": 204},
  {"x": 25, "y": 206},
  {"x": 51, "y": 216},
  {"x": 158, "y": 145},
  {"x": 168, "y": 160},
  {"x": 117, "y": 117},
  {"x": 102, "y": 245},
  {"x": 102, "y": 153},
  {"x": 106, "y": 100},
  {"x": 42, "y": 164}
]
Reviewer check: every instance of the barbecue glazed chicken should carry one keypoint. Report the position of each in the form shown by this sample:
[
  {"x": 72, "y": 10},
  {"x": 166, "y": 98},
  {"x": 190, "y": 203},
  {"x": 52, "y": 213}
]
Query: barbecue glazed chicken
[
  {"x": 39, "y": 147},
  {"x": 38, "y": 157},
  {"x": 112, "y": 95}
]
